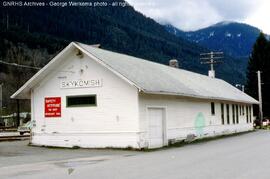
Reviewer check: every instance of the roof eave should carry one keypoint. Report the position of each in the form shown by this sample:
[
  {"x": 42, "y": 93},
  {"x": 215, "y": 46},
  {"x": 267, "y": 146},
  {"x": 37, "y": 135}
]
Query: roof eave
[
  {"x": 28, "y": 85},
  {"x": 26, "y": 88},
  {"x": 198, "y": 97}
]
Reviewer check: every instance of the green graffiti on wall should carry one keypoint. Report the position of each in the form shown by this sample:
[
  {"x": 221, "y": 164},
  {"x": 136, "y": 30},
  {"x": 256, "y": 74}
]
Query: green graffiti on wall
[{"x": 199, "y": 123}]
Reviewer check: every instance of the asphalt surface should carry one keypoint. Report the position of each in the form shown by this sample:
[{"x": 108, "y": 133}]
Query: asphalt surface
[{"x": 242, "y": 156}]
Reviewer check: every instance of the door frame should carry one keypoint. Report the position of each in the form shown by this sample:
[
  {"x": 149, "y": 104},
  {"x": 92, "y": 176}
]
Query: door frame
[{"x": 164, "y": 123}]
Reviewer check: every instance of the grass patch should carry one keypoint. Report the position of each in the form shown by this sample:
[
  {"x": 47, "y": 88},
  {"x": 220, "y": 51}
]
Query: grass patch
[{"x": 265, "y": 127}]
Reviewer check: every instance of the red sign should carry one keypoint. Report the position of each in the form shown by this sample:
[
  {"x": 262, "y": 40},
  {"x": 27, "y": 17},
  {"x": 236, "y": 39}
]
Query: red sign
[{"x": 53, "y": 107}]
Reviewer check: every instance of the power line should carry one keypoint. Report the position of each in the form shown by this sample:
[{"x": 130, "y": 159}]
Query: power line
[
  {"x": 19, "y": 65},
  {"x": 17, "y": 100}
]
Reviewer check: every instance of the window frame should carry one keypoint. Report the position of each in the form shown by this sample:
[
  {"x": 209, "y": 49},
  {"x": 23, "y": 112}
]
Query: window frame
[{"x": 81, "y": 105}]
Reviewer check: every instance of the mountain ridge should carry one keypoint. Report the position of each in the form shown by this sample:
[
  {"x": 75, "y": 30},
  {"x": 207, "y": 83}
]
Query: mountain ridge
[{"x": 234, "y": 38}]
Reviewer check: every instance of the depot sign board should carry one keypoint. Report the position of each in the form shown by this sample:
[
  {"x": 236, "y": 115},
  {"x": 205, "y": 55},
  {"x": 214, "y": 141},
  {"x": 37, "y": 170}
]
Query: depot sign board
[
  {"x": 81, "y": 84},
  {"x": 52, "y": 107}
]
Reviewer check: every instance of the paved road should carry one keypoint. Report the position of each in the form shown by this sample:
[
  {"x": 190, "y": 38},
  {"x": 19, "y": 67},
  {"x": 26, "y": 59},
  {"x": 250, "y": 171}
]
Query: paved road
[{"x": 243, "y": 156}]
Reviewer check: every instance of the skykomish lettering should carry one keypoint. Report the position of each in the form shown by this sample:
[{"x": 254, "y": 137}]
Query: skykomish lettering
[{"x": 81, "y": 83}]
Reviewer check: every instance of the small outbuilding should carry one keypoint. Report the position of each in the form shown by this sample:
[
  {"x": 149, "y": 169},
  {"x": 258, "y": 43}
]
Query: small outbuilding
[{"x": 94, "y": 98}]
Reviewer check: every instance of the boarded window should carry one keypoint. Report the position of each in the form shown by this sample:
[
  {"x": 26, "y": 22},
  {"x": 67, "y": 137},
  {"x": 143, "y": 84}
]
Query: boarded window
[
  {"x": 222, "y": 113},
  {"x": 212, "y": 108},
  {"x": 81, "y": 101}
]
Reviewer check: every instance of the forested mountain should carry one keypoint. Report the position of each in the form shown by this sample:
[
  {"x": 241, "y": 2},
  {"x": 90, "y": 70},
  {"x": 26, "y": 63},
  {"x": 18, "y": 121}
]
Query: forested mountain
[
  {"x": 33, "y": 35},
  {"x": 235, "y": 39}
]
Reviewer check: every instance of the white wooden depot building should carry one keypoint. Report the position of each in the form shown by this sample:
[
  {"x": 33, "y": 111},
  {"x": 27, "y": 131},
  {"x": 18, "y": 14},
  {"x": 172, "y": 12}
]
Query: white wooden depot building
[{"x": 94, "y": 98}]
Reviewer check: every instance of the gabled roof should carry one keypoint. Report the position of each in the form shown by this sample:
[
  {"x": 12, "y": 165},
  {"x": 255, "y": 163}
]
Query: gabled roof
[{"x": 154, "y": 78}]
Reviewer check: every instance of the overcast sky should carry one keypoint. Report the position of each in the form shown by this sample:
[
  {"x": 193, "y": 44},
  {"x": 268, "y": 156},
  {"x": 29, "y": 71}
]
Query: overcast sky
[{"x": 195, "y": 14}]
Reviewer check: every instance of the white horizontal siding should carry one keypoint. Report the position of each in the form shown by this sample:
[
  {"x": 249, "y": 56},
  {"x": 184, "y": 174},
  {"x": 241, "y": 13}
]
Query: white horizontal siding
[
  {"x": 181, "y": 115},
  {"x": 87, "y": 140}
]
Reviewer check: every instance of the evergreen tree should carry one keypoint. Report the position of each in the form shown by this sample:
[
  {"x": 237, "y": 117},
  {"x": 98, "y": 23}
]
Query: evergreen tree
[{"x": 259, "y": 61}]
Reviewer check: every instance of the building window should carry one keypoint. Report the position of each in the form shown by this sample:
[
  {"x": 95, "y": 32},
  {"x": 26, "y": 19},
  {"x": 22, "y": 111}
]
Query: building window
[
  {"x": 237, "y": 115},
  {"x": 213, "y": 108},
  {"x": 233, "y": 114},
  {"x": 222, "y": 113},
  {"x": 81, "y": 101},
  {"x": 228, "y": 113},
  {"x": 247, "y": 113},
  {"x": 240, "y": 108},
  {"x": 250, "y": 117}
]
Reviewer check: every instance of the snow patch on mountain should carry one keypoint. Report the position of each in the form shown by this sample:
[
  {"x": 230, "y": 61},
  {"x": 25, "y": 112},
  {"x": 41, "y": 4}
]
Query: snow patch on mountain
[
  {"x": 211, "y": 34},
  {"x": 175, "y": 31},
  {"x": 227, "y": 34}
]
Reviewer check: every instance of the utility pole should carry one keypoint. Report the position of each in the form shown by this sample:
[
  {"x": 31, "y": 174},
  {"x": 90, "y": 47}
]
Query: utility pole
[
  {"x": 260, "y": 95},
  {"x": 211, "y": 58}
]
